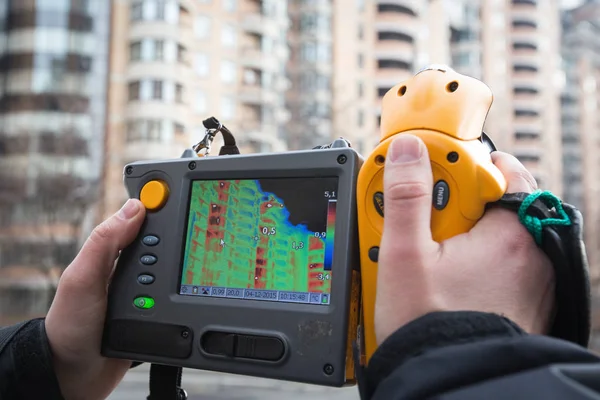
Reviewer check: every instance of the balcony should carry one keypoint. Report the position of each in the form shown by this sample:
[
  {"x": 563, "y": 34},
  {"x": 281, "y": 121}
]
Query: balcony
[
  {"x": 526, "y": 112},
  {"x": 256, "y": 95},
  {"x": 524, "y": 24},
  {"x": 525, "y": 67},
  {"x": 255, "y": 58},
  {"x": 527, "y": 155},
  {"x": 407, "y": 7},
  {"x": 393, "y": 36},
  {"x": 406, "y": 27},
  {"x": 528, "y": 88},
  {"x": 524, "y": 45},
  {"x": 524, "y": 2},
  {"x": 146, "y": 150},
  {"x": 258, "y": 24},
  {"x": 401, "y": 54}
]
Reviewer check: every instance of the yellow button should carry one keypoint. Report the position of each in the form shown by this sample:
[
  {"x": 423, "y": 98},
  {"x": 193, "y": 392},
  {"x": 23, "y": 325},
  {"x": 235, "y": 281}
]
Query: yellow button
[{"x": 154, "y": 195}]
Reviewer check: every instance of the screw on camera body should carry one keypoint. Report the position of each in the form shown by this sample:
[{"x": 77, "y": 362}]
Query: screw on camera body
[
  {"x": 192, "y": 165},
  {"x": 185, "y": 334},
  {"x": 129, "y": 170},
  {"x": 452, "y": 157},
  {"x": 342, "y": 159},
  {"x": 328, "y": 369}
]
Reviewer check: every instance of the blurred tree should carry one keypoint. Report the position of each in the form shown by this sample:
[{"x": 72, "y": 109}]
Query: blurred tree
[{"x": 45, "y": 194}]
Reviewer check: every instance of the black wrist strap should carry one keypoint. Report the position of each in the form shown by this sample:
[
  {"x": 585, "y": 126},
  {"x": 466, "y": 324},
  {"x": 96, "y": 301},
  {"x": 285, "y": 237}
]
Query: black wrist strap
[
  {"x": 561, "y": 238},
  {"x": 165, "y": 383}
]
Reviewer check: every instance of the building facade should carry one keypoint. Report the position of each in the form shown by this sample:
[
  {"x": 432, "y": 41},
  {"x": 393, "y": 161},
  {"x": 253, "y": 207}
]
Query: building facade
[
  {"x": 175, "y": 63},
  {"x": 53, "y": 66},
  {"x": 581, "y": 124},
  {"x": 514, "y": 47}
]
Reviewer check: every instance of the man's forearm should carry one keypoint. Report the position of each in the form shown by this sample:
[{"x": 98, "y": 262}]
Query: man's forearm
[
  {"x": 444, "y": 352},
  {"x": 26, "y": 370}
]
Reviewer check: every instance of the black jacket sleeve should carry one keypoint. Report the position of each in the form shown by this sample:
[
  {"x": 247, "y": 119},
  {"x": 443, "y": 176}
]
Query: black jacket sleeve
[
  {"x": 26, "y": 370},
  {"x": 471, "y": 355}
]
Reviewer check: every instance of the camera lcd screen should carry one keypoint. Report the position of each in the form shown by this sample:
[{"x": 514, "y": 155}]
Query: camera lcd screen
[{"x": 261, "y": 239}]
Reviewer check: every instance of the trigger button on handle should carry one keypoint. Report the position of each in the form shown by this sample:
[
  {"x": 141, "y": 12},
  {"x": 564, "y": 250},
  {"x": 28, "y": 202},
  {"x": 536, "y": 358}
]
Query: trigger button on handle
[
  {"x": 378, "y": 202},
  {"x": 374, "y": 254},
  {"x": 441, "y": 195}
]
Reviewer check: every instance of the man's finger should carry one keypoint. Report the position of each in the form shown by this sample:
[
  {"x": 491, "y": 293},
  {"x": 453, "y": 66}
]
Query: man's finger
[
  {"x": 95, "y": 261},
  {"x": 517, "y": 176},
  {"x": 408, "y": 186}
]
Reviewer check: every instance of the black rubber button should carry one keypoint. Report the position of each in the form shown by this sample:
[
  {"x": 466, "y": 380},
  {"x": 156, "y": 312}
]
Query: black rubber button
[
  {"x": 150, "y": 240},
  {"x": 441, "y": 195},
  {"x": 148, "y": 259},
  {"x": 145, "y": 279},
  {"x": 374, "y": 254}
]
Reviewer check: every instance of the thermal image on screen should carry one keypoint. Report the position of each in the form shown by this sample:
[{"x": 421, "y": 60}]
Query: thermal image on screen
[{"x": 266, "y": 239}]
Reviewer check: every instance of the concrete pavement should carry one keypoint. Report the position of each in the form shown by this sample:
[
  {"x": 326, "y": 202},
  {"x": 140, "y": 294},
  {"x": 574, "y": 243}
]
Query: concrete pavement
[{"x": 205, "y": 385}]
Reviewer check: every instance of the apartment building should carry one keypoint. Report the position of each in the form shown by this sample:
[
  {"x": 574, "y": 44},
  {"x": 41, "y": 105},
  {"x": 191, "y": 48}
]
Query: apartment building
[
  {"x": 580, "y": 122},
  {"x": 399, "y": 27},
  {"x": 175, "y": 63},
  {"x": 514, "y": 47},
  {"x": 53, "y": 61},
  {"x": 53, "y": 57}
]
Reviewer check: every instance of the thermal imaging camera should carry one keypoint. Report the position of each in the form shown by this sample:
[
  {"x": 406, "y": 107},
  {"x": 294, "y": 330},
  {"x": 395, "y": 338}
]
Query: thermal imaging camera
[
  {"x": 266, "y": 264},
  {"x": 245, "y": 264}
]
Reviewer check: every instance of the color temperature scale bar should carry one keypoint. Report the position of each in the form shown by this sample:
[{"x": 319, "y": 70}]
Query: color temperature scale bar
[{"x": 329, "y": 235}]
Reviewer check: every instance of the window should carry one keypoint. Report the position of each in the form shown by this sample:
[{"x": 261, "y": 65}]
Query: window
[
  {"x": 309, "y": 52},
  {"x": 324, "y": 53},
  {"x": 181, "y": 54},
  {"x": 382, "y": 91},
  {"x": 153, "y": 130},
  {"x": 135, "y": 51},
  {"x": 144, "y": 130},
  {"x": 227, "y": 107},
  {"x": 200, "y": 104},
  {"x": 157, "y": 90},
  {"x": 160, "y": 10},
  {"x": 137, "y": 11},
  {"x": 308, "y": 22},
  {"x": 179, "y": 93},
  {"x": 360, "y": 118},
  {"x": 134, "y": 91},
  {"x": 202, "y": 27},
  {"x": 395, "y": 8},
  {"x": 179, "y": 129},
  {"x": 361, "y": 32},
  {"x": 201, "y": 64},
  {"x": 159, "y": 50},
  {"x": 360, "y": 60},
  {"x": 526, "y": 113},
  {"x": 228, "y": 72},
  {"x": 229, "y": 5},
  {"x": 361, "y": 89},
  {"x": 228, "y": 35},
  {"x": 384, "y": 64},
  {"x": 251, "y": 77},
  {"x": 396, "y": 36}
]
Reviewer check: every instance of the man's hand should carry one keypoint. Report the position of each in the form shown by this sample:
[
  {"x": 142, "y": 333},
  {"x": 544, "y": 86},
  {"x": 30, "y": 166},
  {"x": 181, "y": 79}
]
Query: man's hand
[
  {"x": 75, "y": 320},
  {"x": 495, "y": 268}
]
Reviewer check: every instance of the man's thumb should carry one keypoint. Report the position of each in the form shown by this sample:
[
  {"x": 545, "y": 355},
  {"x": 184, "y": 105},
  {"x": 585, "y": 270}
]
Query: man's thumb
[
  {"x": 408, "y": 185},
  {"x": 96, "y": 259}
]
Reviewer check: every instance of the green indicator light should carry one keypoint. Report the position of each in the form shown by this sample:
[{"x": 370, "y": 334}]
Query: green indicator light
[{"x": 144, "y": 302}]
